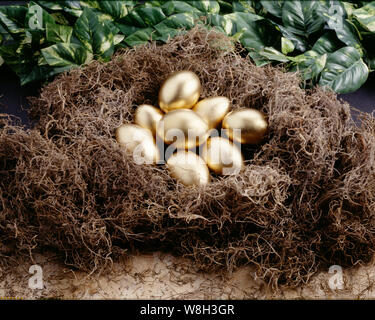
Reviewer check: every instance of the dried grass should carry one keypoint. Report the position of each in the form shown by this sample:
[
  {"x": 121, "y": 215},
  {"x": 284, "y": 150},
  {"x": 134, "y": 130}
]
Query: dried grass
[{"x": 304, "y": 201}]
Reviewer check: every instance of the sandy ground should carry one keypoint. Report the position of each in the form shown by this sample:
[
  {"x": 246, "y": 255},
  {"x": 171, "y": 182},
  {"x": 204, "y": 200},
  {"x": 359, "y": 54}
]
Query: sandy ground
[{"x": 162, "y": 276}]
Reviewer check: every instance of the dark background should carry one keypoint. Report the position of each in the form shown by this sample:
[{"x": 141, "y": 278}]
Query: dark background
[{"x": 13, "y": 96}]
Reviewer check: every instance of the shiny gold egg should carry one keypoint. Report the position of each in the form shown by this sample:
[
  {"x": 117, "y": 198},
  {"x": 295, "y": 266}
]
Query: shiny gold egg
[
  {"x": 188, "y": 168},
  {"x": 213, "y": 110},
  {"x": 222, "y": 156},
  {"x": 147, "y": 117},
  {"x": 139, "y": 141},
  {"x": 184, "y": 128},
  {"x": 247, "y": 126},
  {"x": 181, "y": 90}
]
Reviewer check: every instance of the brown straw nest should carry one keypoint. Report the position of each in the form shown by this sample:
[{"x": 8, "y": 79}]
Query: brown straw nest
[{"x": 305, "y": 200}]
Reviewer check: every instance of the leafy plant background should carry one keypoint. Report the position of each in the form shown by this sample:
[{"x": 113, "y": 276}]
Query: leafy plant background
[{"x": 330, "y": 42}]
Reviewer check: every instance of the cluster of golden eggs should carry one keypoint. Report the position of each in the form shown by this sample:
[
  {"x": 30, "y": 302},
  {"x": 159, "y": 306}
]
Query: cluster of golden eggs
[{"x": 185, "y": 123}]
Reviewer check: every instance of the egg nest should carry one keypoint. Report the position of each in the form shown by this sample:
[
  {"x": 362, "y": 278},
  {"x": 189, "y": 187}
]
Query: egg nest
[{"x": 304, "y": 201}]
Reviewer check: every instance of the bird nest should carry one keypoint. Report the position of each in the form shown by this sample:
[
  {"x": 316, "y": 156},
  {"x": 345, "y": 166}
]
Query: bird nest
[{"x": 304, "y": 201}]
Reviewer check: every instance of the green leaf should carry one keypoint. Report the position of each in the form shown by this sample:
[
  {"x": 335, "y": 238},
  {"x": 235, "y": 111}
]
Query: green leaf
[
  {"x": 66, "y": 55},
  {"x": 221, "y": 23},
  {"x": 319, "y": 65},
  {"x": 1, "y": 60},
  {"x": 254, "y": 33},
  {"x": 349, "y": 8},
  {"x": 173, "y": 7},
  {"x": 60, "y": 18},
  {"x": 172, "y": 26},
  {"x": 37, "y": 18},
  {"x": 4, "y": 35},
  {"x": 225, "y": 6},
  {"x": 73, "y": 8},
  {"x": 243, "y": 6},
  {"x": 366, "y": 16},
  {"x": 118, "y": 38},
  {"x": 287, "y": 46},
  {"x": 26, "y": 65},
  {"x": 196, "y": 7},
  {"x": 310, "y": 64},
  {"x": 9, "y": 53},
  {"x": 116, "y": 9},
  {"x": 299, "y": 43},
  {"x": 345, "y": 71},
  {"x": 52, "y": 5},
  {"x": 259, "y": 60},
  {"x": 153, "y": 3},
  {"x": 144, "y": 17},
  {"x": 302, "y": 17},
  {"x": 273, "y": 54},
  {"x": 126, "y": 29},
  {"x": 327, "y": 43},
  {"x": 57, "y": 33},
  {"x": 270, "y": 30},
  {"x": 242, "y": 21},
  {"x": 237, "y": 23},
  {"x": 95, "y": 35},
  {"x": 103, "y": 17},
  {"x": 336, "y": 20},
  {"x": 92, "y": 4},
  {"x": 210, "y": 6},
  {"x": 112, "y": 26},
  {"x": 139, "y": 37},
  {"x": 73, "y": 11},
  {"x": 13, "y": 19},
  {"x": 40, "y": 73},
  {"x": 18, "y": 56},
  {"x": 372, "y": 63},
  {"x": 274, "y": 7}
]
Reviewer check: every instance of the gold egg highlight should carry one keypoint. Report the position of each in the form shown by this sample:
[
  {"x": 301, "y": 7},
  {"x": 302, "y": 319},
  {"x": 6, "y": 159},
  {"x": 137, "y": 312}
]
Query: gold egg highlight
[
  {"x": 248, "y": 126},
  {"x": 184, "y": 128},
  {"x": 213, "y": 110},
  {"x": 181, "y": 90},
  {"x": 139, "y": 141},
  {"x": 222, "y": 156},
  {"x": 148, "y": 116},
  {"x": 188, "y": 168}
]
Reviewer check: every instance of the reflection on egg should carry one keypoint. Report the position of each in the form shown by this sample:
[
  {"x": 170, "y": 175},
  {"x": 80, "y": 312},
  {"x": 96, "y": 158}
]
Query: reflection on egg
[
  {"x": 181, "y": 90},
  {"x": 148, "y": 116},
  {"x": 188, "y": 168},
  {"x": 247, "y": 126},
  {"x": 184, "y": 128},
  {"x": 213, "y": 110},
  {"x": 138, "y": 141},
  {"x": 222, "y": 156}
]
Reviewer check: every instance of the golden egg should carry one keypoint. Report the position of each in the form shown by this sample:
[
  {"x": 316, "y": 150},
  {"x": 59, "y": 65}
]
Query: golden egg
[
  {"x": 181, "y": 90},
  {"x": 188, "y": 168},
  {"x": 213, "y": 110},
  {"x": 247, "y": 126},
  {"x": 184, "y": 128},
  {"x": 148, "y": 116},
  {"x": 222, "y": 156},
  {"x": 139, "y": 141}
]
